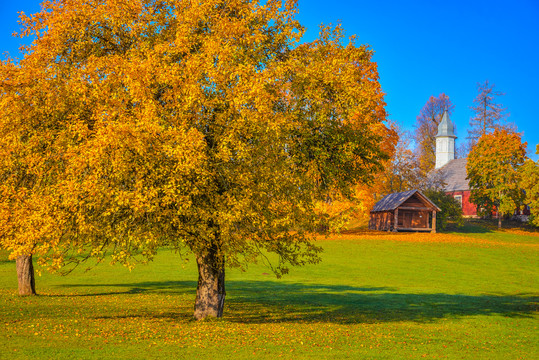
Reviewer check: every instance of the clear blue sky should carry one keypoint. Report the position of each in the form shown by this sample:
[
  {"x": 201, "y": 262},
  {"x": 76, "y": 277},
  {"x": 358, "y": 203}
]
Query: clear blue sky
[
  {"x": 425, "y": 48},
  {"x": 422, "y": 48}
]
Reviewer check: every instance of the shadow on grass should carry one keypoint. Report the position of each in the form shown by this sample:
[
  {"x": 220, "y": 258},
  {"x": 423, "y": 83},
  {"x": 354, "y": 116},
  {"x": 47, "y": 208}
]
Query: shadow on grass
[
  {"x": 470, "y": 228},
  {"x": 300, "y": 303},
  {"x": 481, "y": 226},
  {"x": 273, "y": 302},
  {"x": 175, "y": 287}
]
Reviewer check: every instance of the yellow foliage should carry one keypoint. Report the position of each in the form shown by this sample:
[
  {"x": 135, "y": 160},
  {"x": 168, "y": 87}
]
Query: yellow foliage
[
  {"x": 129, "y": 125},
  {"x": 493, "y": 171}
]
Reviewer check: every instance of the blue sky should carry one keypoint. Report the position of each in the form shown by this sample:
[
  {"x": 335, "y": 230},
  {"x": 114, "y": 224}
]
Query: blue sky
[
  {"x": 425, "y": 48},
  {"x": 422, "y": 48}
]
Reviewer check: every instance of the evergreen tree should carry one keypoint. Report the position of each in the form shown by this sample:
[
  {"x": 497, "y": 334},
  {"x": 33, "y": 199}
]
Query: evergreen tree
[{"x": 488, "y": 113}]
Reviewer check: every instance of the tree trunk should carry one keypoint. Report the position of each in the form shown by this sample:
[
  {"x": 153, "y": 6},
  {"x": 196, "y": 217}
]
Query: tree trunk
[
  {"x": 25, "y": 275},
  {"x": 499, "y": 220},
  {"x": 210, "y": 299}
]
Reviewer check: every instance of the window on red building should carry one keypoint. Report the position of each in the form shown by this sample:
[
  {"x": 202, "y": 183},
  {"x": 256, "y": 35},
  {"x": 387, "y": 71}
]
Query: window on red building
[{"x": 459, "y": 199}]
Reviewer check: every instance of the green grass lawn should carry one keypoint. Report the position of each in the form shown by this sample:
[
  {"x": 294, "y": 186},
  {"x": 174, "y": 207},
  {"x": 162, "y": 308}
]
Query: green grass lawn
[{"x": 467, "y": 295}]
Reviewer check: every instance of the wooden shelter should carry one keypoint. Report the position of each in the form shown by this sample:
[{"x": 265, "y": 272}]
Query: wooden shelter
[{"x": 404, "y": 211}]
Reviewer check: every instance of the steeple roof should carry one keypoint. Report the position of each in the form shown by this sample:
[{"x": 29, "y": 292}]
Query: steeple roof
[{"x": 446, "y": 127}]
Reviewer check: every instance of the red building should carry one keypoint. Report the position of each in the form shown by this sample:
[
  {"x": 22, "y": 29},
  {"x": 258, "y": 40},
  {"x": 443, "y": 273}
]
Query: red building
[{"x": 453, "y": 174}]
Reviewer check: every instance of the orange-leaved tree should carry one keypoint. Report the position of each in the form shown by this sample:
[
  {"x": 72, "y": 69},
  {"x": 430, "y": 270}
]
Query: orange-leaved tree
[
  {"x": 202, "y": 126},
  {"x": 529, "y": 173},
  {"x": 351, "y": 206},
  {"x": 493, "y": 172},
  {"x": 401, "y": 172},
  {"x": 29, "y": 162}
]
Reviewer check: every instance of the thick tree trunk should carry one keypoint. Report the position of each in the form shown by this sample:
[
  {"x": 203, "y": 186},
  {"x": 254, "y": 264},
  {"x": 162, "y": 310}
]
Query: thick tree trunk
[
  {"x": 499, "y": 220},
  {"x": 210, "y": 299},
  {"x": 25, "y": 275}
]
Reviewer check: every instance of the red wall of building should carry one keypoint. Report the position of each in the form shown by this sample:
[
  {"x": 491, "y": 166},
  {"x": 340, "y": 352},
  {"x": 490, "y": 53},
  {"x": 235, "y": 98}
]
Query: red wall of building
[{"x": 468, "y": 208}]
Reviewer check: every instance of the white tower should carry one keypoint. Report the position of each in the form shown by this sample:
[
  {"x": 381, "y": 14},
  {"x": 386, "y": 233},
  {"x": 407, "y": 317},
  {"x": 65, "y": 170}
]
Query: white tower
[{"x": 445, "y": 142}]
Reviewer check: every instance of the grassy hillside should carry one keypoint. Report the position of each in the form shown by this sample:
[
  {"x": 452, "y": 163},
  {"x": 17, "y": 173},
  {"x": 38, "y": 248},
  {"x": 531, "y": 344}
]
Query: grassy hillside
[{"x": 468, "y": 295}]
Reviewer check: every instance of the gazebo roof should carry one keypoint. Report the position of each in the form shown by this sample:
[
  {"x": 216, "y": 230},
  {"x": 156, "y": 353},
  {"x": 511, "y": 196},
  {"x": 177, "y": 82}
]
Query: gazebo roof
[{"x": 392, "y": 201}]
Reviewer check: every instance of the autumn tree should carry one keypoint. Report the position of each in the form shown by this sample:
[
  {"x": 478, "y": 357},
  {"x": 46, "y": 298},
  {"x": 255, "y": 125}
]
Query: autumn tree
[
  {"x": 352, "y": 208},
  {"x": 529, "y": 174},
  {"x": 426, "y": 128},
  {"x": 401, "y": 170},
  {"x": 25, "y": 159},
  {"x": 488, "y": 114},
  {"x": 202, "y": 126},
  {"x": 493, "y": 172}
]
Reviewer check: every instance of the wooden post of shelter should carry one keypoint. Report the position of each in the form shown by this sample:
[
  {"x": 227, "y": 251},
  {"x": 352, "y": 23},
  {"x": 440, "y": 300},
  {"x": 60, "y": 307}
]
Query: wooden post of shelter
[
  {"x": 434, "y": 221},
  {"x": 396, "y": 220}
]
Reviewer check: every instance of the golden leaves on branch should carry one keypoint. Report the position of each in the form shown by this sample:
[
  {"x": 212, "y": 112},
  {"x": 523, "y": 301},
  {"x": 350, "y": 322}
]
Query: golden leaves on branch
[
  {"x": 493, "y": 170},
  {"x": 137, "y": 124}
]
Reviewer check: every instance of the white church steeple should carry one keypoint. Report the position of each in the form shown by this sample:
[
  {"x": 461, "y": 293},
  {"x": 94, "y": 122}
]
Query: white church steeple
[{"x": 445, "y": 142}]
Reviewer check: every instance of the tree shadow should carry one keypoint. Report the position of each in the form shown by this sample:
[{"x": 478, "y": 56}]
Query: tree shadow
[
  {"x": 175, "y": 287},
  {"x": 296, "y": 302},
  {"x": 491, "y": 225},
  {"x": 470, "y": 228},
  {"x": 259, "y": 302}
]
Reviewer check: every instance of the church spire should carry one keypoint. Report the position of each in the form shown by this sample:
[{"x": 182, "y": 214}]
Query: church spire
[
  {"x": 445, "y": 141},
  {"x": 446, "y": 127}
]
